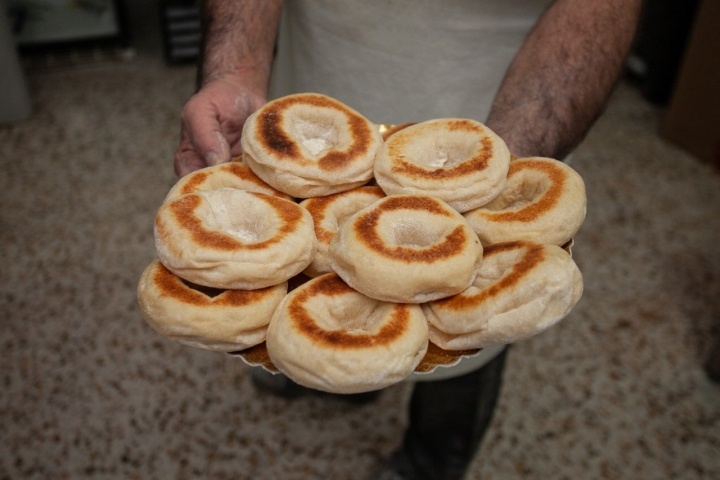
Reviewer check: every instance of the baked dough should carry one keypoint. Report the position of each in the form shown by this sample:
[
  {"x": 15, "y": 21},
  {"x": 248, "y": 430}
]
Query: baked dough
[
  {"x": 233, "y": 239},
  {"x": 330, "y": 213},
  {"x": 406, "y": 248},
  {"x": 326, "y": 336},
  {"x": 221, "y": 320},
  {"x": 230, "y": 175},
  {"x": 522, "y": 289},
  {"x": 543, "y": 201},
  {"x": 460, "y": 161},
  {"x": 310, "y": 145}
]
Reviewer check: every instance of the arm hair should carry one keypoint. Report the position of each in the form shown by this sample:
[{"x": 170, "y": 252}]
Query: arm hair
[
  {"x": 560, "y": 80},
  {"x": 238, "y": 41}
]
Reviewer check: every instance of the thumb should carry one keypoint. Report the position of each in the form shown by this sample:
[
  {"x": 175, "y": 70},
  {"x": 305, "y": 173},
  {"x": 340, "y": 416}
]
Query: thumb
[
  {"x": 200, "y": 124},
  {"x": 207, "y": 138}
]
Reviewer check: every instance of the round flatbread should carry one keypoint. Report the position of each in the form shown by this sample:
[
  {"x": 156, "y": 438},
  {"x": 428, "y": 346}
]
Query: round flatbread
[
  {"x": 521, "y": 289},
  {"x": 310, "y": 145},
  {"x": 543, "y": 201},
  {"x": 407, "y": 249},
  {"x": 327, "y": 336},
  {"x": 459, "y": 161},
  {"x": 218, "y": 320},
  {"x": 234, "y": 239}
]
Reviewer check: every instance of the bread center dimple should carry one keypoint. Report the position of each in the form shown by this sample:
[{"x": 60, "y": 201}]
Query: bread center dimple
[
  {"x": 520, "y": 190},
  {"x": 494, "y": 267},
  {"x": 411, "y": 232},
  {"x": 241, "y": 215},
  {"x": 446, "y": 152},
  {"x": 447, "y": 157},
  {"x": 350, "y": 312},
  {"x": 316, "y": 134}
]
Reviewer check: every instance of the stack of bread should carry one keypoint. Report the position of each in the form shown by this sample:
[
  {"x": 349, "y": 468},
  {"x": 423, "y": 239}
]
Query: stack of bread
[{"x": 430, "y": 234}]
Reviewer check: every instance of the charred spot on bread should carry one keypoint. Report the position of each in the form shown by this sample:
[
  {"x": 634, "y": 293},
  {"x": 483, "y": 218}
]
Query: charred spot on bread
[
  {"x": 477, "y": 163},
  {"x": 533, "y": 255},
  {"x": 194, "y": 182},
  {"x": 332, "y": 285},
  {"x": 190, "y": 293},
  {"x": 273, "y": 135},
  {"x": 539, "y": 205},
  {"x": 366, "y": 231},
  {"x": 183, "y": 210}
]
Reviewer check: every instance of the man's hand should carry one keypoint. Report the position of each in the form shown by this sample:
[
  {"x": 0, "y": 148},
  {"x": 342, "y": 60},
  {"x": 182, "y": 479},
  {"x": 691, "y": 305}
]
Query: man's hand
[
  {"x": 212, "y": 122},
  {"x": 238, "y": 41}
]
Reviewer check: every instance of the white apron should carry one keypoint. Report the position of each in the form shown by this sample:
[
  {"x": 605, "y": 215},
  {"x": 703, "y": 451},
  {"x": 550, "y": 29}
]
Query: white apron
[{"x": 398, "y": 61}]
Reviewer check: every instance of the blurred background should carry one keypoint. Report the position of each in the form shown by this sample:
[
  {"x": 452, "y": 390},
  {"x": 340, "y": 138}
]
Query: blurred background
[{"x": 90, "y": 97}]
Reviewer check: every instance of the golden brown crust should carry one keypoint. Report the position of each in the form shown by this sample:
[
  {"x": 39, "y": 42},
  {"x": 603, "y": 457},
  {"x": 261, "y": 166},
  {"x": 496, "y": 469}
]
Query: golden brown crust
[
  {"x": 522, "y": 289},
  {"x": 237, "y": 169},
  {"x": 194, "y": 183},
  {"x": 170, "y": 285},
  {"x": 543, "y": 200},
  {"x": 162, "y": 232},
  {"x": 327, "y": 336},
  {"x": 202, "y": 317},
  {"x": 540, "y": 206},
  {"x": 234, "y": 239},
  {"x": 273, "y": 137},
  {"x": 183, "y": 210},
  {"x": 310, "y": 145},
  {"x": 533, "y": 255},
  {"x": 366, "y": 231},
  {"x": 406, "y": 249},
  {"x": 318, "y": 207},
  {"x": 398, "y": 144},
  {"x": 332, "y": 285},
  {"x": 459, "y": 161}
]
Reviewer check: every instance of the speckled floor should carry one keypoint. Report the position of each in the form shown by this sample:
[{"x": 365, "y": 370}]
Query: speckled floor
[{"x": 88, "y": 390}]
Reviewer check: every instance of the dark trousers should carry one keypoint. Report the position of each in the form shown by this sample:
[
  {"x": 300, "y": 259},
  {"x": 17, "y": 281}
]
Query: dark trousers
[{"x": 448, "y": 419}]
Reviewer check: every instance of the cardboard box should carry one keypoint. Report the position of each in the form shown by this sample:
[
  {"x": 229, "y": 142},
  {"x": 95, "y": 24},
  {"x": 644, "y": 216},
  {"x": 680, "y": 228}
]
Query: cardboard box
[{"x": 692, "y": 119}]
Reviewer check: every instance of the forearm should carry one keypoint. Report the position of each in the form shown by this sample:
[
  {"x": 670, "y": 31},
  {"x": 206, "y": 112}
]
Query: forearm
[
  {"x": 238, "y": 41},
  {"x": 560, "y": 80}
]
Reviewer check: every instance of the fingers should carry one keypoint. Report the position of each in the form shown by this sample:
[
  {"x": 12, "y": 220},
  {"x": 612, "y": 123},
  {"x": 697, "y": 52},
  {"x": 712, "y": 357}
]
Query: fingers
[
  {"x": 202, "y": 142},
  {"x": 206, "y": 134},
  {"x": 211, "y": 125},
  {"x": 187, "y": 159}
]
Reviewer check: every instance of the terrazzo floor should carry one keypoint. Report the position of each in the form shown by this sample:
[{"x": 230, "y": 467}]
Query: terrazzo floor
[{"x": 89, "y": 391}]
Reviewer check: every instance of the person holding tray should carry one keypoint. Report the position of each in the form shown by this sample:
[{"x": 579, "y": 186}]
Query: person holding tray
[{"x": 536, "y": 72}]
